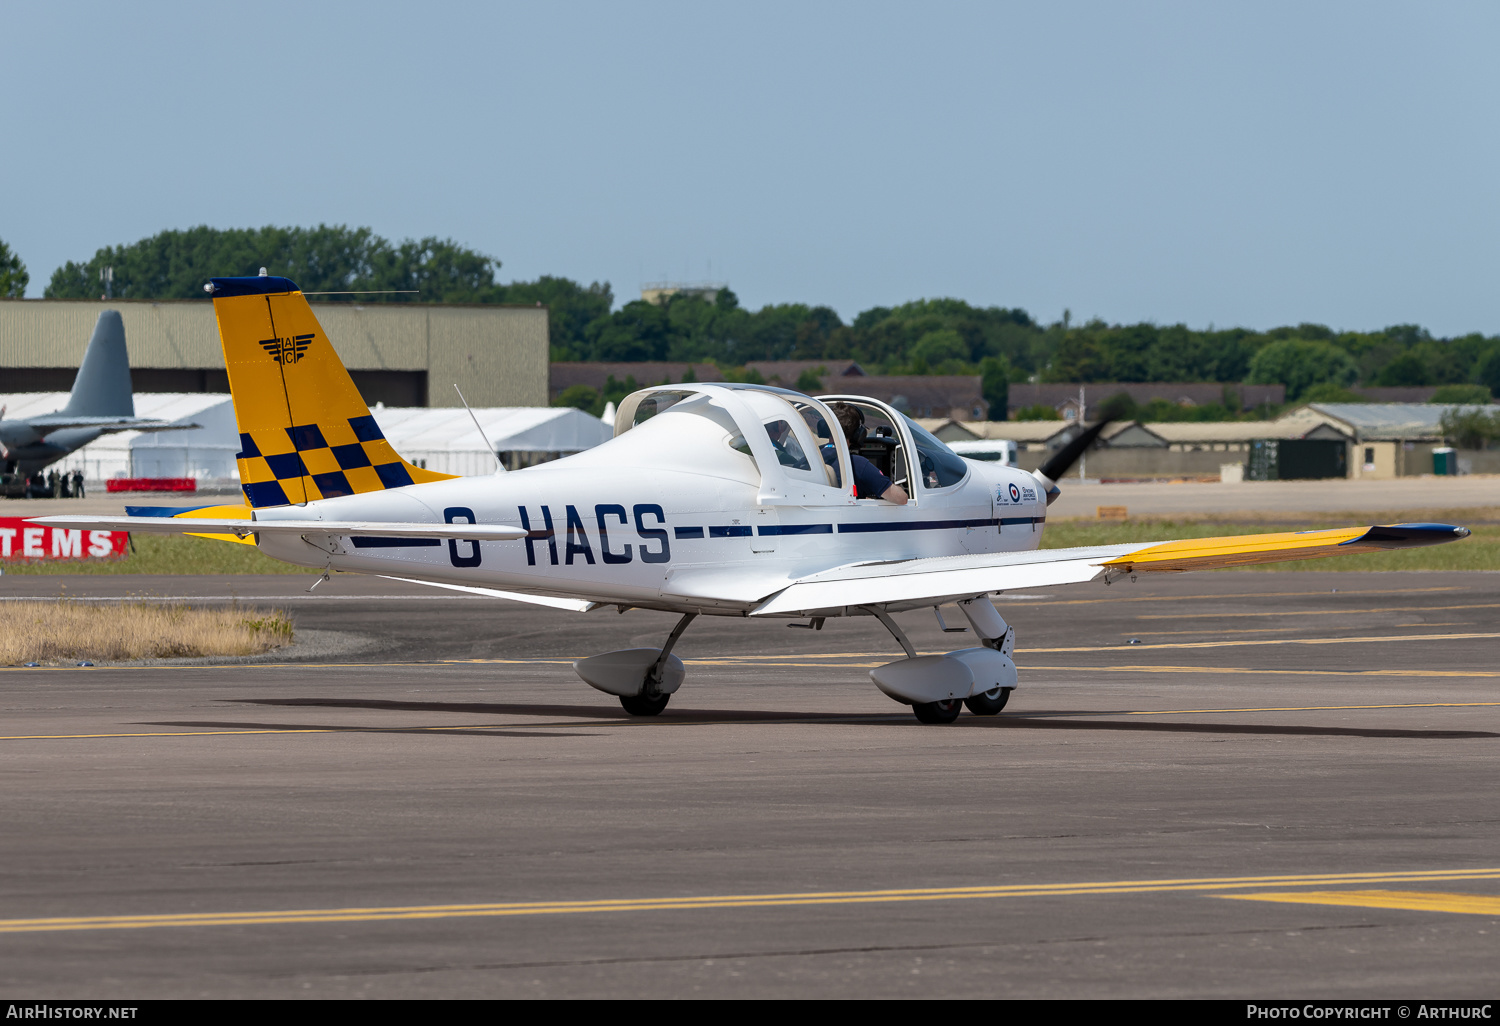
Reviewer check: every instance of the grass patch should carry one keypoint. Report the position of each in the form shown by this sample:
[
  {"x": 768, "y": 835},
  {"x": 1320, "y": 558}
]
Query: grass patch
[
  {"x": 170, "y": 554},
  {"x": 65, "y": 631},
  {"x": 1480, "y": 551}
]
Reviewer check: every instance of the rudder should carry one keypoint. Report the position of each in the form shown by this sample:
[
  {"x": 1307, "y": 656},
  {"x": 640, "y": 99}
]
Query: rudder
[
  {"x": 305, "y": 431},
  {"x": 102, "y": 386}
]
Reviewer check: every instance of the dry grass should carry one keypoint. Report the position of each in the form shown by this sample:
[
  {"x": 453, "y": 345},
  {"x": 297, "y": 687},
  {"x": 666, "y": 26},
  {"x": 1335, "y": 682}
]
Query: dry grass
[{"x": 67, "y": 631}]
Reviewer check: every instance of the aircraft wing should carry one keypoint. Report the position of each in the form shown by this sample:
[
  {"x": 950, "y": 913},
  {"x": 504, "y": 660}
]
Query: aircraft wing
[
  {"x": 916, "y": 582},
  {"x": 205, "y": 525}
]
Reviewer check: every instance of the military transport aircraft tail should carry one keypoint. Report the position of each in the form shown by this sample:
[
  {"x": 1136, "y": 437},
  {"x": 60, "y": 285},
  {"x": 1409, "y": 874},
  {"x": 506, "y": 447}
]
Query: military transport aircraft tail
[
  {"x": 305, "y": 431},
  {"x": 102, "y": 386}
]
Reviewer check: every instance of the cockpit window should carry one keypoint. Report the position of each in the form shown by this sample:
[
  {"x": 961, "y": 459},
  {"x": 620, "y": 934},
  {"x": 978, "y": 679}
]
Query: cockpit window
[
  {"x": 941, "y": 466},
  {"x": 817, "y": 423},
  {"x": 788, "y": 450},
  {"x": 657, "y": 402}
]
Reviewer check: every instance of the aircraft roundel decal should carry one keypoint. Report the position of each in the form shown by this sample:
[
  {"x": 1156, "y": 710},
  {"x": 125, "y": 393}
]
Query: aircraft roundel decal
[{"x": 1015, "y": 494}]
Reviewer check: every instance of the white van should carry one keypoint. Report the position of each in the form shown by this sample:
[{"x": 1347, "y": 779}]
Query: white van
[{"x": 993, "y": 450}]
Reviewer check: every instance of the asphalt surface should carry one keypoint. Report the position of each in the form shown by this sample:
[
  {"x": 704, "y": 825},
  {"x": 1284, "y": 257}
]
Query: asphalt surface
[{"x": 1286, "y": 790}]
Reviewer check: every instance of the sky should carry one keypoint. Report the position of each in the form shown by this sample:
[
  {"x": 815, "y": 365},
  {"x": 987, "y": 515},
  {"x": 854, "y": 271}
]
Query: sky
[{"x": 1226, "y": 164}]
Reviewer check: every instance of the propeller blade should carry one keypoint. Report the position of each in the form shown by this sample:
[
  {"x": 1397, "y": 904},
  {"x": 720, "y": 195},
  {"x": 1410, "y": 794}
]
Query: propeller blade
[{"x": 1054, "y": 469}]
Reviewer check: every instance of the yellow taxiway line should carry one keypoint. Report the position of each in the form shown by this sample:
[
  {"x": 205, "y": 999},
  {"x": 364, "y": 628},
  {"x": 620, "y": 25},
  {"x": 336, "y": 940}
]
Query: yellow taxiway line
[
  {"x": 1314, "y": 612},
  {"x": 1245, "y": 642},
  {"x": 724, "y": 901},
  {"x": 1414, "y": 901},
  {"x": 1241, "y": 670},
  {"x": 1268, "y": 594}
]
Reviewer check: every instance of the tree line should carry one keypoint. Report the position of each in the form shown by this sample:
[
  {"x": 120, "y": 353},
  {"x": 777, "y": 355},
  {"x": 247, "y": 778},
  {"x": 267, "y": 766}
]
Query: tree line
[{"x": 927, "y": 336}]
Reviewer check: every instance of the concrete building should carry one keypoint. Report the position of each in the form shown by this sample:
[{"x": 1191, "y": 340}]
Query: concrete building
[
  {"x": 400, "y": 354},
  {"x": 1382, "y": 440},
  {"x": 659, "y": 291},
  {"x": 1389, "y": 440}
]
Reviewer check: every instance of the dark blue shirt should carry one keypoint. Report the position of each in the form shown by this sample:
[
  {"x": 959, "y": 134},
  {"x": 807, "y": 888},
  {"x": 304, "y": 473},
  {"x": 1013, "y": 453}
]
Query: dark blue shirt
[{"x": 869, "y": 483}]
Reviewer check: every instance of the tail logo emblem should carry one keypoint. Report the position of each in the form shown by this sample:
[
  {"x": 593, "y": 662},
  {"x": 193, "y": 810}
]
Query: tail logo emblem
[{"x": 287, "y": 350}]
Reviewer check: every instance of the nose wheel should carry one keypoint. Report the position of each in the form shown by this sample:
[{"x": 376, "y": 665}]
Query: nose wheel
[
  {"x": 938, "y": 712},
  {"x": 640, "y": 705},
  {"x": 989, "y": 703}
]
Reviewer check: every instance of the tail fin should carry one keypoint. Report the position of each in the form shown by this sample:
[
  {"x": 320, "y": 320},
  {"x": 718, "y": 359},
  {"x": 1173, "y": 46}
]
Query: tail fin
[
  {"x": 102, "y": 387},
  {"x": 305, "y": 431}
]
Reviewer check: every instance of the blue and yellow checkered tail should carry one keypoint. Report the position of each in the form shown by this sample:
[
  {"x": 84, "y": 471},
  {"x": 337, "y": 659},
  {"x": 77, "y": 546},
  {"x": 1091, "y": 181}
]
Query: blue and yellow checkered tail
[{"x": 305, "y": 432}]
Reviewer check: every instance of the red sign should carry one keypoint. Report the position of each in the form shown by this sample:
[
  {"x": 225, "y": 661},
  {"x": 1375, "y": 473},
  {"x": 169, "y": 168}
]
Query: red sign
[
  {"x": 151, "y": 484},
  {"x": 23, "y": 542}
]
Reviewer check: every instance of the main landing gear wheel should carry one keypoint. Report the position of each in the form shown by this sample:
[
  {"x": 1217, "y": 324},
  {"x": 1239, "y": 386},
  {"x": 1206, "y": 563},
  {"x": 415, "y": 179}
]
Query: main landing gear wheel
[
  {"x": 640, "y": 705},
  {"x": 938, "y": 712},
  {"x": 989, "y": 703}
]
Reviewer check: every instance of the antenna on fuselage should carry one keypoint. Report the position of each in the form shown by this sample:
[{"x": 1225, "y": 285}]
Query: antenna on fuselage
[{"x": 499, "y": 467}]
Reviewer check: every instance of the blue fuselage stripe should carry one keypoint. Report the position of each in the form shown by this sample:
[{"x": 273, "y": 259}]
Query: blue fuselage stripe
[
  {"x": 798, "y": 529},
  {"x": 392, "y": 543},
  {"x": 937, "y": 525}
]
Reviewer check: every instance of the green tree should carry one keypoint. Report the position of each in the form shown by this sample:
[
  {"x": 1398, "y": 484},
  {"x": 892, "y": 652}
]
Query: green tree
[
  {"x": 571, "y": 308},
  {"x": 1299, "y": 365},
  {"x": 1406, "y": 369},
  {"x": 935, "y": 348},
  {"x": 810, "y": 381},
  {"x": 1041, "y": 411},
  {"x": 1488, "y": 371},
  {"x": 994, "y": 384},
  {"x": 329, "y": 258},
  {"x": 1474, "y": 395},
  {"x": 1328, "y": 392},
  {"x": 1470, "y": 428},
  {"x": 13, "y": 276},
  {"x": 581, "y": 397}
]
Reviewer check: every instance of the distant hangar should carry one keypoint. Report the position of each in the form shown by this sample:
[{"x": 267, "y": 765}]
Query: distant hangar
[{"x": 399, "y": 354}]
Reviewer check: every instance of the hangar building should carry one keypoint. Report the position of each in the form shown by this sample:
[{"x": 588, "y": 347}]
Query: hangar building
[{"x": 399, "y": 354}]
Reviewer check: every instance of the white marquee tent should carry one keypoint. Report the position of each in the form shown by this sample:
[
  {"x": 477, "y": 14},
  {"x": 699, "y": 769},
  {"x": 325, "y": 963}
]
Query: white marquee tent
[
  {"x": 205, "y": 453},
  {"x": 444, "y": 439}
]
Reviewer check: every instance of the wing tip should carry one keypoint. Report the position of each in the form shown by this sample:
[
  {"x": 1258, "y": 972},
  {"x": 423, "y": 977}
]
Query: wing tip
[{"x": 1408, "y": 536}]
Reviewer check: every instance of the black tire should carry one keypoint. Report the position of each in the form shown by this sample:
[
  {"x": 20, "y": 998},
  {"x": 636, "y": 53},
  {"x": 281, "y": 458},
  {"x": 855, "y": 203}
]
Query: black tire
[
  {"x": 640, "y": 705},
  {"x": 989, "y": 703},
  {"x": 938, "y": 712}
]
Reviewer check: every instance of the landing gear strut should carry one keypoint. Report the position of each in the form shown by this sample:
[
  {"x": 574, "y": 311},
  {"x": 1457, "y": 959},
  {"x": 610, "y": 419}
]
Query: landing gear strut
[
  {"x": 938, "y": 687},
  {"x": 652, "y": 700}
]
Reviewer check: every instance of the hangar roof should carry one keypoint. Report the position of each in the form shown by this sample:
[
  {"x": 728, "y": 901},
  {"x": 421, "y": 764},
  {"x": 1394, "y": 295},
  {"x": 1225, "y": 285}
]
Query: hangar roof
[{"x": 1387, "y": 421}]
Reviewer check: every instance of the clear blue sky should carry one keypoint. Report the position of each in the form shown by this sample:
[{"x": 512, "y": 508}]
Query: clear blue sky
[{"x": 1236, "y": 164}]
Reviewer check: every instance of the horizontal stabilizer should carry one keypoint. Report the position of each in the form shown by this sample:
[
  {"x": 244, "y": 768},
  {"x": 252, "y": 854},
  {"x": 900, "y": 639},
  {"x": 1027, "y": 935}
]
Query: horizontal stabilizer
[{"x": 341, "y": 528}]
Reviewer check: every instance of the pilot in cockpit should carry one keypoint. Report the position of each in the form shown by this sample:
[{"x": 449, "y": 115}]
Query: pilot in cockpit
[{"x": 869, "y": 482}]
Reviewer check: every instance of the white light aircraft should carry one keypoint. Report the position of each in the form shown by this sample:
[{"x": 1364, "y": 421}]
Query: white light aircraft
[{"x": 712, "y": 499}]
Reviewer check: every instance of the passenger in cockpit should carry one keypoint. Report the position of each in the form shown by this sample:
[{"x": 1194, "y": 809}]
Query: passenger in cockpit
[{"x": 869, "y": 482}]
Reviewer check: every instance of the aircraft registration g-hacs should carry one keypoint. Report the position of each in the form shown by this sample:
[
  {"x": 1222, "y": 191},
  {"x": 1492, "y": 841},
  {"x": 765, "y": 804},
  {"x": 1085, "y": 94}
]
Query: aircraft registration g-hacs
[{"x": 711, "y": 499}]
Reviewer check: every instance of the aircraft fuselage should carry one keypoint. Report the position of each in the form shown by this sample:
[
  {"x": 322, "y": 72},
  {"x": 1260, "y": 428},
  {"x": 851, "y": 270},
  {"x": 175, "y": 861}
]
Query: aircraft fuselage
[{"x": 657, "y": 538}]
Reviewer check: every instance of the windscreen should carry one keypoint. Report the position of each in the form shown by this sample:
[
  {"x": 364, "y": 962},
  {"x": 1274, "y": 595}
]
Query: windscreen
[{"x": 940, "y": 465}]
